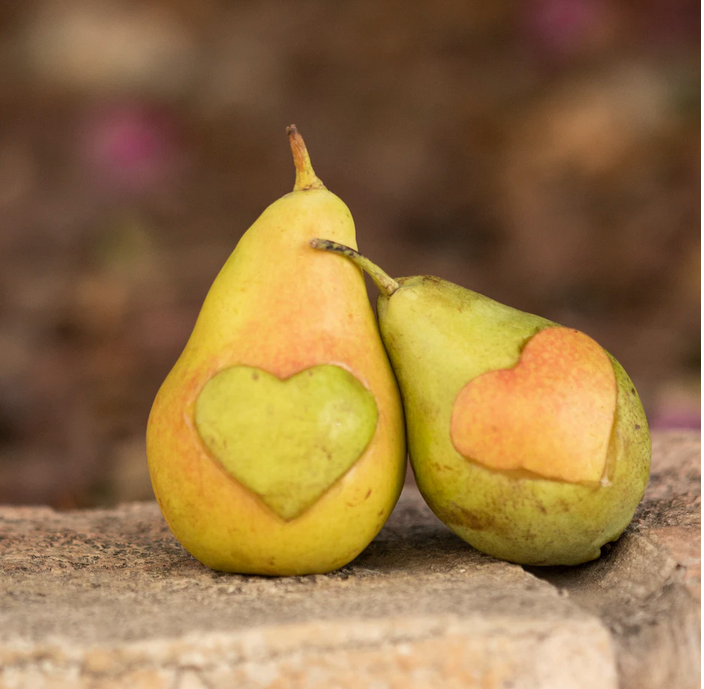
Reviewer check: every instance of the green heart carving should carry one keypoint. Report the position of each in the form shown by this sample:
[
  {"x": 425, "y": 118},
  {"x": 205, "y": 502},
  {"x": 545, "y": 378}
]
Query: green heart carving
[{"x": 288, "y": 440}]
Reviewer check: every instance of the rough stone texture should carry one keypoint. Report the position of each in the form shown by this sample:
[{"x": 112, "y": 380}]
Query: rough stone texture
[
  {"x": 647, "y": 587},
  {"x": 107, "y": 598}
]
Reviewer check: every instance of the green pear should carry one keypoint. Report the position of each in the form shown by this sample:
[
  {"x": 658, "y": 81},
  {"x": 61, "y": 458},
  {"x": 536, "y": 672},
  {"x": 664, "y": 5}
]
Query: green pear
[
  {"x": 276, "y": 443},
  {"x": 526, "y": 438}
]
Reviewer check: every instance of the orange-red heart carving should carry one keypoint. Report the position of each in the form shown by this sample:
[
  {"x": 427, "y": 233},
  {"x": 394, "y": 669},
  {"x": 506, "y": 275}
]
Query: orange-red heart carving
[{"x": 551, "y": 414}]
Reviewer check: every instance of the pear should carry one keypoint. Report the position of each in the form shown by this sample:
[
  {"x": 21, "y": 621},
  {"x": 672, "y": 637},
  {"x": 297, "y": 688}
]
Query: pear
[
  {"x": 526, "y": 438},
  {"x": 276, "y": 444}
]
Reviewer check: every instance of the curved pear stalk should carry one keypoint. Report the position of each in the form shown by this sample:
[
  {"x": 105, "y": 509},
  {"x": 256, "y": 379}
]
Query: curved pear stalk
[{"x": 386, "y": 284}]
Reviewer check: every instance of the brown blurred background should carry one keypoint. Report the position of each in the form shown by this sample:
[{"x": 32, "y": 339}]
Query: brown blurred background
[{"x": 544, "y": 153}]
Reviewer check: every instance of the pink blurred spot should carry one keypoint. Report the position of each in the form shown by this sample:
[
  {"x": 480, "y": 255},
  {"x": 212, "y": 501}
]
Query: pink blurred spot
[
  {"x": 130, "y": 147},
  {"x": 559, "y": 27},
  {"x": 670, "y": 418}
]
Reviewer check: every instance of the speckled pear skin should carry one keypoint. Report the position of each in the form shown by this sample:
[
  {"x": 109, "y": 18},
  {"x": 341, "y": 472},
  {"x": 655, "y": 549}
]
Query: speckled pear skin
[
  {"x": 440, "y": 336},
  {"x": 280, "y": 307}
]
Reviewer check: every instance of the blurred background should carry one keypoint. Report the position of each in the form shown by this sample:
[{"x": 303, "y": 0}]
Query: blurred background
[{"x": 545, "y": 153}]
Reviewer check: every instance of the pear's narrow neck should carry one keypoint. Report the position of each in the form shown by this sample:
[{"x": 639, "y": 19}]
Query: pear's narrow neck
[
  {"x": 387, "y": 285},
  {"x": 305, "y": 176}
]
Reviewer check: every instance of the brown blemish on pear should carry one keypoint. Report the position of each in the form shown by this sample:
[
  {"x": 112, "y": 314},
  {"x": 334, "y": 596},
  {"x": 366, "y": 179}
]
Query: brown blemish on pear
[{"x": 473, "y": 520}]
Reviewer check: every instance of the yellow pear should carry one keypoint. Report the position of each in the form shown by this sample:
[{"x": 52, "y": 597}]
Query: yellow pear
[{"x": 276, "y": 443}]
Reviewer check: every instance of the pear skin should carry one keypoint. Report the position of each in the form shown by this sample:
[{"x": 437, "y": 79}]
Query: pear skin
[
  {"x": 276, "y": 443},
  {"x": 526, "y": 438}
]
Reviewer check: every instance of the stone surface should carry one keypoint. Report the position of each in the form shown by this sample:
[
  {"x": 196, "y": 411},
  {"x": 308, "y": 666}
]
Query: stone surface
[
  {"x": 107, "y": 598},
  {"x": 646, "y": 588}
]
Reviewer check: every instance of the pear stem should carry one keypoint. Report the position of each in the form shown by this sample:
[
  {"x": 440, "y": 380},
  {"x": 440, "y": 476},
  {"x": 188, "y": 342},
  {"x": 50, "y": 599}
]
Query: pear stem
[
  {"x": 386, "y": 284},
  {"x": 305, "y": 176}
]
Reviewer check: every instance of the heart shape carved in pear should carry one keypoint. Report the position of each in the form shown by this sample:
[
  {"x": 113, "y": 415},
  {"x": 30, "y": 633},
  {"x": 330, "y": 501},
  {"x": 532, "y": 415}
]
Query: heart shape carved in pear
[
  {"x": 551, "y": 414},
  {"x": 287, "y": 440}
]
